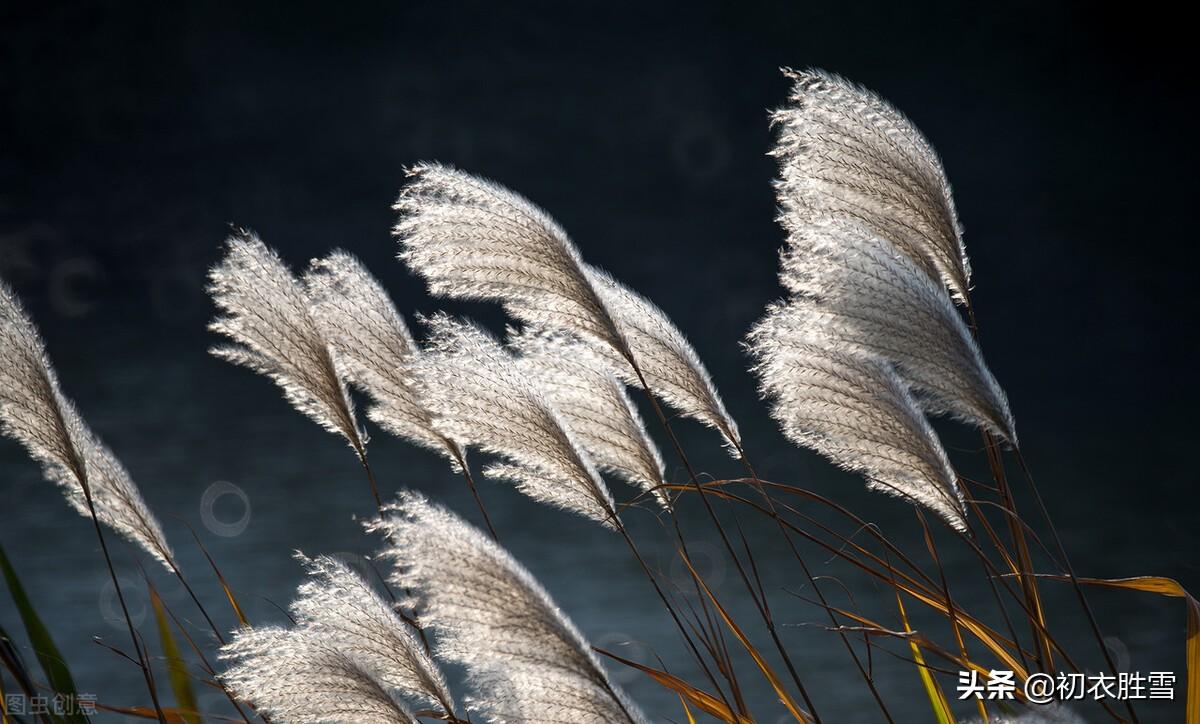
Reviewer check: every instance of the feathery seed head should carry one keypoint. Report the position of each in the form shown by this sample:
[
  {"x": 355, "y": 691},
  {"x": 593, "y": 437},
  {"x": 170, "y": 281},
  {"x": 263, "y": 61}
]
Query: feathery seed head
[
  {"x": 347, "y": 613},
  {"x": 855, "y": 291},
  {"x": 265, "y": 312},
  {"x": 525, "y": 659},
  {"x": 581, "y": 386},
  {"x": 479, "y": 397},
  {"x": 297, "y": 676},
  {"x": 473, "y": 239},
  {"x": 845, "y": 152},
  {"x": 854, "y": 409},
  {"x": 373, "y": 345},
  {"x": 35, "y": 413}
]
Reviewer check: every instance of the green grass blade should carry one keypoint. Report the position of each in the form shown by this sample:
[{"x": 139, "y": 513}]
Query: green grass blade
[
  {"x": 53, "y": 663},
  {"x": 933, "y": 690},
  {"x": 181, "y": 681}
]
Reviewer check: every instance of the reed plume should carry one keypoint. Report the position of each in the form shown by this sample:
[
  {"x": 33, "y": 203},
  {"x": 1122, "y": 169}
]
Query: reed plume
[
  {"x": 347, "y": 613},
  {"x": 298, "y": 676},
  {"x": 854, "y": 290},
  {"x": 580, "y": 384},
  {"x": 35, "y": 413},
  {"x": 525, "y": 660},
  {"x": 853, "y": 409},
  {"x": 845, "y": 152},
  {"x": 474, "y": 239},
  {"x": 266, "y": 314},
  {"x": 479, "y": 397},
  {"x": 373, "y": 345},
  {"x": 667, "y": 361}
]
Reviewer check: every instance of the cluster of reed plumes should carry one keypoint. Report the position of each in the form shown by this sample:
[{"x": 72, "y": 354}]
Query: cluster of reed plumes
[{"x": 868, "y": 342}]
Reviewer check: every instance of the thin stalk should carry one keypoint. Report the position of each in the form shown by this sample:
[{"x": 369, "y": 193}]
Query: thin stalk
[
  {"x": 993, "y": 452},
  {"x": 950, "y": 608},
  {"x": 812, "y": 581},
  {"x": 143, "y": 662},
  {"x": 466, "y": 471},
  {"x": 362, "y": 458},
  {"x": 662, "y": 418},
  {"x": 1062, "y": 551},
  {"x": 670, "y": 609},
  {"x": 1027, "y": 580}
]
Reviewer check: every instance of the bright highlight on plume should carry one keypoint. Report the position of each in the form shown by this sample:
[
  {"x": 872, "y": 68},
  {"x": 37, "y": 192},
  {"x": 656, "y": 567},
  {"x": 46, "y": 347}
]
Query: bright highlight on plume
[
  {"x": 854, "y": 290},
  {"x": 855, "y": 410},
  {"x": 299, "y": 677},
  {"x": 593, "y": 403},
  {"x": 526, "y": 662},
  {"x": 844, "y": 152},
  {"x": 474, "y": 239},
  {"x": 35, "y": 413},
  {"x": 340, "y": 607},
  {"x": 265, "y": 312},
  {"x": 373, "y": 345},
  {"x": 479, "y": 397}
]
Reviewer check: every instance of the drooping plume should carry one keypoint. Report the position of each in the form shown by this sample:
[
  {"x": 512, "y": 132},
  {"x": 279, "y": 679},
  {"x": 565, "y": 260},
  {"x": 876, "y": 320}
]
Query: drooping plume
[
  {"x": 846, "y": 153},
  {"x": 593, "y": 403},
  {"x": 853, "y": 409},
  {"x": 526, "y": 661},
  {"x": 35, "y": 413},
  {"x": 296, "y": 676},
  {"x": 856, "y": 291},
  {"x": 266, "y": 315},
  {"x": 473, "y": 239},
  {"x": 479, "y": 397},
  {"x": 373, "y": 345},
  {"x": 667, "y": 360},
  {"x": 344, "y": 611}
]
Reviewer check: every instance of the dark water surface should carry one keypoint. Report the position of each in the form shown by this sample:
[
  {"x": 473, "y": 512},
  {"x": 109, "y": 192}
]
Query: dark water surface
[{"x": 133, "y": 137}]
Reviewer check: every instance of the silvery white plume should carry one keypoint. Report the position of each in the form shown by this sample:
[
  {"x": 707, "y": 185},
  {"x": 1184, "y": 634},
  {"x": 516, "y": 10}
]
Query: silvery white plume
[
  {"x": 473, "y": 239},
  {"x": 593, "y": 403},
  {"x": 667, "y": 360},
  {"x": 344, "y": 611},
  {"x": 35, "y": 413},
  {"x": 478, "y": 397},
  {"x": 266, "y": 315},
  {"x": 372, "y": 343},
  {"x": 526, "y": 661},
  {"x": 297, "y": 676},
  {"x": 853, "y": 409},
  {"x": 856, "y": 291},
  {"x": 844, "y": 152}
]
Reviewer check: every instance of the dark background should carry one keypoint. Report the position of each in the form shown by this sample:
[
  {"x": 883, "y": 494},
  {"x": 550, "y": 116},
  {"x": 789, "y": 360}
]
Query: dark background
[{"x": 133, "y": 135}]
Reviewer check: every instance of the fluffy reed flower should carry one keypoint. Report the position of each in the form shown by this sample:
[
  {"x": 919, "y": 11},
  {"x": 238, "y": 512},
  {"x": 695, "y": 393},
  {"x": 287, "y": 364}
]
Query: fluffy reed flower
[
  {"x": 35, "y": 413},
  {"x": 474, "y": 239},
  {"x": 525, "y": 660},
  {"x": 266, "y": 315},
  {"x": 672, "y": 369},
  {"x": 479, "y": 397},
  {"x": 344, "y": 611},
  {"x": 853, "y": 409},
  {"x": 856, "y": 291},
  {"x": 845, "y": 152},
  {"x": 593, "y": 403},
  {"x": 297, "y": 676},
  {"x": 373, "y": 344}
]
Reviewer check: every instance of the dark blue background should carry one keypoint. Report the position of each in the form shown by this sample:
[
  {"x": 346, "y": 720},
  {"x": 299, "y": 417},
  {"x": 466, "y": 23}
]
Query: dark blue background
[{"x": 132, "y": 136}]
